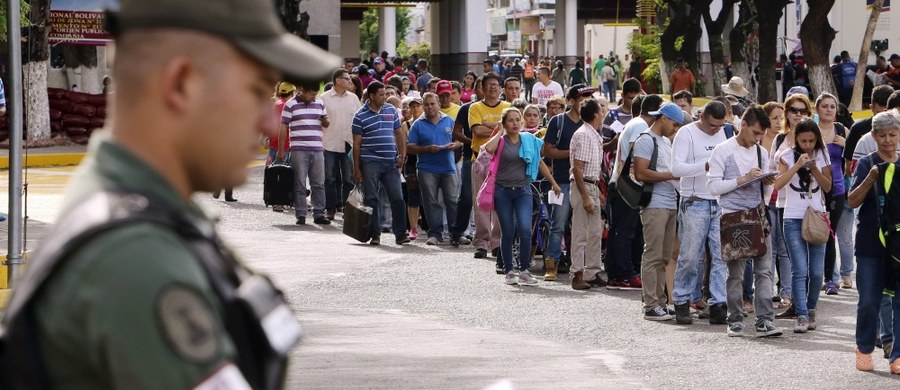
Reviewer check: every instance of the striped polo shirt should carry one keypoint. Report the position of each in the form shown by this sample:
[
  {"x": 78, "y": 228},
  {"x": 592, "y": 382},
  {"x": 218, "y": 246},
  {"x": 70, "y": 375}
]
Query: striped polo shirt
[
  {"x": 304, "y": 125},
  {"x": 377, "y": 131}
]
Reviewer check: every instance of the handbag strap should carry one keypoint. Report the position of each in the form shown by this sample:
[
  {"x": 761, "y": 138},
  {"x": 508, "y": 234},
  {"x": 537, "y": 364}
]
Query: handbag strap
[
  {"x": 762, "y": 195},
  {"x": 495, "y": 160}
]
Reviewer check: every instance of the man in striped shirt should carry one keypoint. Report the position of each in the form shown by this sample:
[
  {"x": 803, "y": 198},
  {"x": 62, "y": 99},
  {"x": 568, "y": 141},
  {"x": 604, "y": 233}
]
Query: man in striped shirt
[
  {"x": 302, "y": 119},
  {"x": 379, "y": 151}
]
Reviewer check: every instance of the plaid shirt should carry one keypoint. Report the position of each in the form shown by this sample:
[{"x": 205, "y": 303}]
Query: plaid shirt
[{"x": 586, "y": 146}]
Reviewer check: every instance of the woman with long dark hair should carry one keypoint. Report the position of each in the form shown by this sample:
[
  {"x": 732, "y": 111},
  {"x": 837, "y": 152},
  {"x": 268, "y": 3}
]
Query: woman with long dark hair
[
  {"x": 468, "y": 87},
  {"x": 804, "y": 176}
]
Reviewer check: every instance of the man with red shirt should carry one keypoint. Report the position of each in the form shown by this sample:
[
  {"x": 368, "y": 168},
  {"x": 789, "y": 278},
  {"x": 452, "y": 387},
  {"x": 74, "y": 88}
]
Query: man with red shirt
[
  {"x": 284, "y": 91},
  {"x": 682, "y": 78}
]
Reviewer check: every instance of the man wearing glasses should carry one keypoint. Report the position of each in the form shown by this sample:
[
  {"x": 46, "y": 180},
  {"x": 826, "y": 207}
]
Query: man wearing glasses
[
  {"x": 337, "y": 138},
  {"x": 699, "y": 216}
]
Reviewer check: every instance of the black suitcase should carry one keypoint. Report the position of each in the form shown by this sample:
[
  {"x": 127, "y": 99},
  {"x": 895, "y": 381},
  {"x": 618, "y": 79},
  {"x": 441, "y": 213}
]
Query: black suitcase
[{"x": 278, "y": 185}]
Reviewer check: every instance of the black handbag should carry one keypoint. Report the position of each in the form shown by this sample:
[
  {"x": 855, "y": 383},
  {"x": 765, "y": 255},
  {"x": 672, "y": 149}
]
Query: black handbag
[{"x": 636, "y": 194}]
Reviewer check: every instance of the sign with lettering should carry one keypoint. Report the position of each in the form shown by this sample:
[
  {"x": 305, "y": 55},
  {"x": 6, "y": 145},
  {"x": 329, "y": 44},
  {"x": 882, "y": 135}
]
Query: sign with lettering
[{"x": 79, "y": 22}]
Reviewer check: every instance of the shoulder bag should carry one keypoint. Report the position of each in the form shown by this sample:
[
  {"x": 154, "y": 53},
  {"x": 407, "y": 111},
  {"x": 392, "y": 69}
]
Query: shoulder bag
[
  {"x": 743, "y": 234},
  {"x": 815, "y": 229},
  {"x": 636, "y": 194},
  {"x": 486, "y": 193}
]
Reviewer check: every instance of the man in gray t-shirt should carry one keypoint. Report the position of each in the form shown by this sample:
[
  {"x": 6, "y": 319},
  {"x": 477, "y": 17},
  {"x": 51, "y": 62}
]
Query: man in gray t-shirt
[{"x": 659, "y": 216}]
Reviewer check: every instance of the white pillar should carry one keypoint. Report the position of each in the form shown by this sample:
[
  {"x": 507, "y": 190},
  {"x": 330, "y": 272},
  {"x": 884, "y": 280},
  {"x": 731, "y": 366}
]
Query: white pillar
[
  {"x": 350, "y": 39},
  {"x": 387, "y": 30},
  {"x": 571, "y": 26}
]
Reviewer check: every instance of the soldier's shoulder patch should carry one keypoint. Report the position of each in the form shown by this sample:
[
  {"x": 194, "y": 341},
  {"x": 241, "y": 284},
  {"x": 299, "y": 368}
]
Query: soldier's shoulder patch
[{"x": 188, "y": 323}]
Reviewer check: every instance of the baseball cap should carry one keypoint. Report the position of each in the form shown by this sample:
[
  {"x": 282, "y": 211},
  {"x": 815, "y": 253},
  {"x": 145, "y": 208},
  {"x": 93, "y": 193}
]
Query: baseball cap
[
  {"x": 894, "y": 56},
  {"x": 378, "y": 60},
  {"x": 252, "y": 26},
  {"x": 671, "y": 111},
  {"x": 285, "y": 87},
  {"x": 797, "y": 90},
  {"x": 443, "y": 87},
  {"x": 580, "y": 90}
]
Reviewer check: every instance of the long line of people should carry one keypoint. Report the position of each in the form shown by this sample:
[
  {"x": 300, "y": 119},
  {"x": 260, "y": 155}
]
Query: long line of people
[{"x": 470, "y": 152}]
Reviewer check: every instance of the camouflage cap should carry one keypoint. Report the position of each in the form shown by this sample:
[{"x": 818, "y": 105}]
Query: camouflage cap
[{"x": 251, "y": 25}]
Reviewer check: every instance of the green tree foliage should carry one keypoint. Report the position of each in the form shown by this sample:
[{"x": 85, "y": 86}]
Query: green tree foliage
[
  {"x": 23, "y": 15},
  {"x": 369, "y": 27},
  {"x": 646, "y": 47}
]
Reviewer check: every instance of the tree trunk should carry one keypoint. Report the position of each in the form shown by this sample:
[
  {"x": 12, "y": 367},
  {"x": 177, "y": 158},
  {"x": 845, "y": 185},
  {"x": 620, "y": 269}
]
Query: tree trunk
[
  {"x": 816, "y": 35},
  {"x": 742, "y": 41},
  {"x": 691, "y": 39},
  {"x": 769, "y": 13},
  {"x": 856, "y": 99},
  {"x": 294, "y": 21},
  {"x": 714, "y": 30},
  {"x": 678, "y": 22},
  {"x": 37, "y": 106},
  {"x": 36, "y": 53},
  {"x": 81, "y": 68},
  {"x": 738, "y": 36}
]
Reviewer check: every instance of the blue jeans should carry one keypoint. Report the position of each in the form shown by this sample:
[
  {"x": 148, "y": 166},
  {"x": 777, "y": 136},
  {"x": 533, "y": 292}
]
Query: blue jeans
[
  {"x": 609, "y": 87},
  {"x": 513, "y": 206},
  {"x": 287, "y": 156},
  {"x": 559, "y": 218},
  {"x": 887, "y": 319},
  {"x": 386, "y": 176},
  {"x": 844, "y": 233},
  {"x": 780, "y": 259},
  {"x": 445, "y": 183},
  {"x": 808, "y": 266},
  {"x": 338, "y": 179},
  {"x": 870, "y": 281},
  {"x": 699, "y": 227},
  {"x": 464, "y": 206}
]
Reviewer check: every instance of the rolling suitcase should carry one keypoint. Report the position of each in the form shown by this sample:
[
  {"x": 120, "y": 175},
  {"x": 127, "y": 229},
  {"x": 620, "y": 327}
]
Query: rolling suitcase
[{"x": 278, "y": 185}]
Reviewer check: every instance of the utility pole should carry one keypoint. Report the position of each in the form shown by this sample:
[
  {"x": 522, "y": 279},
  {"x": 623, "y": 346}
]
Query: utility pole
[{"x": 14, "y": 108}]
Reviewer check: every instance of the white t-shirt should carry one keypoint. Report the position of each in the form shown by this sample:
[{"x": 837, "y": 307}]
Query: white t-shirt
[
  {"x": 633, "y": 129},
  {"x": 690, "y": 153},
  {"x": 866, "y": 146},
  {"x": 543, "y": 93},
  {"x": 795, "y": 197},
  {"x": 729, "y": 161}
]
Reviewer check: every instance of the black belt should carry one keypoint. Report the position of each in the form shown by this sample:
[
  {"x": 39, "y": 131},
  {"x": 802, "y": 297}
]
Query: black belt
[{"x": 592, "y": 181}]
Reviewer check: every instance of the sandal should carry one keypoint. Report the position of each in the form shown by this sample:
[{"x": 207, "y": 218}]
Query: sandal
[{"x": 864, "y": 362}]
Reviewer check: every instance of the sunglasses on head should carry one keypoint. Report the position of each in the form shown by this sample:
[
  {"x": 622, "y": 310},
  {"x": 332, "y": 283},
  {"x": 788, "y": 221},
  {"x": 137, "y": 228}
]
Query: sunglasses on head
[{"x": 802, "y": 111}]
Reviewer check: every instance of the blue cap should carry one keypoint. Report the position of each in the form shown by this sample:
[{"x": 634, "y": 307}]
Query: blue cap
[
  {"x": 671, "y": 111},
  {"x": 797, "y": 90}
]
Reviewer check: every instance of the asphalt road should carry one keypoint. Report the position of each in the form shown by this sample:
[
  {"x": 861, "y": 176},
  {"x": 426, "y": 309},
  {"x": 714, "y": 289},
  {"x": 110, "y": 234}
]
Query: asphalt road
[{"x": 433, "y": 317}]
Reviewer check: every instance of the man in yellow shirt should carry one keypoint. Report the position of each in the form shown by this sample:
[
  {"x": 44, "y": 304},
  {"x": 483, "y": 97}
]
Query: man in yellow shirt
[
  {"x": 445, "y": 91},
  {"x": 484, "y": 117}
]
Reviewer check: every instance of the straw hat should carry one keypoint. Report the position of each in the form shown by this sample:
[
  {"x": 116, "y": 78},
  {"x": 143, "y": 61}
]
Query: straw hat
[{"x": 735, "y": 87}]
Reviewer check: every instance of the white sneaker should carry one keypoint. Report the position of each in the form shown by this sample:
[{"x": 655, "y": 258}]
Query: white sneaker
[
  {"x": 526, "y": 279},
  {"x": 512, "y": 278},
  {"x": 431, "y": 241}
]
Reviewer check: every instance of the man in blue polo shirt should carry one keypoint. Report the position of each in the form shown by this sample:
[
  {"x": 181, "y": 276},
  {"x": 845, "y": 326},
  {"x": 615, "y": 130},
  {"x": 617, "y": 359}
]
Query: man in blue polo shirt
[
  {"x": 379, "y": 151},
  {"x": 431, "y": 138}
]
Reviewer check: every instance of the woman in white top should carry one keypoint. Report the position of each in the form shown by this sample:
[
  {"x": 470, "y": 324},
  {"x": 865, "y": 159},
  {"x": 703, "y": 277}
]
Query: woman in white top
[
  {"x": 797, "y": 107},
  {"x": 804, "y": 176}
]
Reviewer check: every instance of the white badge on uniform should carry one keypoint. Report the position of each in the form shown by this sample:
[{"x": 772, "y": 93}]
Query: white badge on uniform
[
  {"x": 281, "y": 329},
  {"x": 228, "y": 377}
]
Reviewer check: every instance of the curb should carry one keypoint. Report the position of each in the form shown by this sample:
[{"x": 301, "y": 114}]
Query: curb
[
  {"x": 5, "y": 291},
  {"x": 45, "y": 160}
]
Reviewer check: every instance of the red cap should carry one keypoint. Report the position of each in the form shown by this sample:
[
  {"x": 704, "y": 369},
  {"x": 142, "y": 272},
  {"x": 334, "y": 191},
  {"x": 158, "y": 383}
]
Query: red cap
[{"x": 443, "y": 87}]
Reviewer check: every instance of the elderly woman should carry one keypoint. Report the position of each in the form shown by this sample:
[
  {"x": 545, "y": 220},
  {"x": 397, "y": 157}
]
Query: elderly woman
[{"x": 871, "y": 278}]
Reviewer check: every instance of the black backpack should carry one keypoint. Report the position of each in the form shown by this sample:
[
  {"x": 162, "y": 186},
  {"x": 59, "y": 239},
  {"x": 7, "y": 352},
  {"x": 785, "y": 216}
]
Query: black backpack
[{"x": 887, "y": 196}]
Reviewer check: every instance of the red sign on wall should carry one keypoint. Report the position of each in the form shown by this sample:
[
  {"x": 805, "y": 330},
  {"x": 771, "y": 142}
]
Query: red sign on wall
[{"x": 78, "y": 28}]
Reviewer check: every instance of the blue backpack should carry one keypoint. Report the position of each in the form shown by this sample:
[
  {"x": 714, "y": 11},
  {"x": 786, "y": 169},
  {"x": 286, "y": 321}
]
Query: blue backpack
[{"x": 848, "y": 74}]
